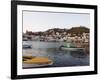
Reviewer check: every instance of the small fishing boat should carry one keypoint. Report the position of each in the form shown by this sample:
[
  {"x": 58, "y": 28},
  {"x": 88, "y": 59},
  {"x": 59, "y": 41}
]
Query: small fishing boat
[
  {"x": 32, "y": 61},
  {"x": 27, "y": 46},
  {"x": 71, "y": 49},
  {"x": 70, "y": 46}
]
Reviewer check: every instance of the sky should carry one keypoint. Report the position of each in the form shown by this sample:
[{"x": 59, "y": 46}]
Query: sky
[{"x": 36, "y": 21}]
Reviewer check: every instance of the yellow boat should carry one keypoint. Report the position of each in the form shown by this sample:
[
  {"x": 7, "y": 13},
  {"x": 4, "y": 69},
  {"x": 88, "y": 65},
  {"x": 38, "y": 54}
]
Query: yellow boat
[{"x": 37, "y": 60}]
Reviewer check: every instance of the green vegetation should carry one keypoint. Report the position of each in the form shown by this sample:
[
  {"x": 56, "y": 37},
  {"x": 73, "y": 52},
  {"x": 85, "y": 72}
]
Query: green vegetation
[{"x": 78, "y": 30}]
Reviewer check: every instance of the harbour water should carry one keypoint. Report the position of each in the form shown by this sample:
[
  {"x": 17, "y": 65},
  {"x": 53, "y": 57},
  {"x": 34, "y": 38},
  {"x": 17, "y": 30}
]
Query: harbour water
[{"x": 60, "y": 58}]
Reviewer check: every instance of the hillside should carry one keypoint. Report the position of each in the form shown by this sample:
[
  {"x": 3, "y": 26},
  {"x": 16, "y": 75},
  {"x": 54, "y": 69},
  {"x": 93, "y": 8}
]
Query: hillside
[
  {"x": 78, "y": 30},
  {"x": 73, "y": 30}
]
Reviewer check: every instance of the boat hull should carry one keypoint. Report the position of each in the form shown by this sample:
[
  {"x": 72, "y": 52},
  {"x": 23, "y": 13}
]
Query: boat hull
[
  {"x": 27, "y": 46},
  {"x": 35, "y": 65},
  {"x": 31, "y": 61},
  {"x": 71, "y": 49}
]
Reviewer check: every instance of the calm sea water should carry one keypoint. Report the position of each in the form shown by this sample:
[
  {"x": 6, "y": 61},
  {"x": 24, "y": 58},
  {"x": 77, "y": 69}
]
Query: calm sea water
[{"x": 60, "y": 58}]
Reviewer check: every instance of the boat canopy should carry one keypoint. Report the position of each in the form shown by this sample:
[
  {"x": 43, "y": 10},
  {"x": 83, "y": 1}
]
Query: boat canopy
[{"x": 69, "y": 45}]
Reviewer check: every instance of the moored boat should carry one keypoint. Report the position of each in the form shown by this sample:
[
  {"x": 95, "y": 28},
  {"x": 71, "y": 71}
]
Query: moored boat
[
  {"x": 71, "y": 49},
  {"x": 70, "y": 46},
  {"x": 32, "y": 61},
  {"x": 27, "y": 46}
]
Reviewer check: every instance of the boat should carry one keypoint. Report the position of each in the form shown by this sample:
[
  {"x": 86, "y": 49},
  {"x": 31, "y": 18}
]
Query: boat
[
  {"x": 27, "y": 46},
  {"x": 71, "y": 49},
  {"x": 32, "y": 61},
  {"x": 70, "y": 46}
]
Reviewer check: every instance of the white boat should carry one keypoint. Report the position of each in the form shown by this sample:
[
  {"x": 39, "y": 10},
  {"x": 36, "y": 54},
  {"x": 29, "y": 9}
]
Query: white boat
[
  {"x": 71, "y": 49},
  {"x": 70, "y": 46},
  {"x": 27, "y": 46}
]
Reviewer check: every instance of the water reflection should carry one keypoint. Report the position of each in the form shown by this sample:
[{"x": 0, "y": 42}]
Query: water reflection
[
  {"x": 60, "y": 58},
  {"x": 78, "y": 54}
]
